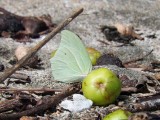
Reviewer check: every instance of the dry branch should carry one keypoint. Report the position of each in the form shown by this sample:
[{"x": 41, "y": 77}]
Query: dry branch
[
  {"x": 33, "y": 50},
  {"x": 46, "y": 104},
  {"x": 129, "y": 90},
  {"x": 10, "y": 104},
  {"x": 30, "y": 90}
]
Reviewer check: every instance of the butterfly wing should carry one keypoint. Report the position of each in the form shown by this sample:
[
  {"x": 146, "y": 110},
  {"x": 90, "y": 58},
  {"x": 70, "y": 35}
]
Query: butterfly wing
[{"x": 71, "y": 62}]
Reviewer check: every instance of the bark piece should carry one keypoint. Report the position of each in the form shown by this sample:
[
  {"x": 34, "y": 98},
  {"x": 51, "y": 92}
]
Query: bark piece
[{"x": 150, "y": 103}]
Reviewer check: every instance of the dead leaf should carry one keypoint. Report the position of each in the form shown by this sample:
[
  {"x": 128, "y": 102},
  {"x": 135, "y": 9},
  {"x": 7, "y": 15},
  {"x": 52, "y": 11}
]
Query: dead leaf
[
  {"x": 157, "y": 76},
  {"x": 23, "y": 27},
  {"x": 120, "y": 33},
  {"x": 127, "y": 30},
  {"x": 21, "y": 51}
]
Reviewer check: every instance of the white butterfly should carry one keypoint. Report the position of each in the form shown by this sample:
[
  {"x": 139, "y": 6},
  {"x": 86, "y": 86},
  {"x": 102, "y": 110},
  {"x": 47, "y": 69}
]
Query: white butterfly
[{"x": 71, "y": 62}]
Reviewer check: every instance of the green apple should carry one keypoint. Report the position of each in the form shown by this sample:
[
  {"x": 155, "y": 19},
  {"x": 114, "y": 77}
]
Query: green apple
[
  {"x": 93, "y": 54},
  {"x": 118, "y": 115},
  {"x": 101, "y": 86},
  {"x": 53, "y": 53}
]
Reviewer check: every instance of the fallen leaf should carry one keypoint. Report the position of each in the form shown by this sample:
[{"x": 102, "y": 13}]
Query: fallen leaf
[
  {"x": 21, "y": 51},
  {"x": 23, "y": 27}
]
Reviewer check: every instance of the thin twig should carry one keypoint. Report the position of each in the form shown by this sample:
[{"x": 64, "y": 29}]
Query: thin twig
[
  {"x": 33, "y": 50},
  {"x": 137, "y": 59},
  {"x": 107, "y": 43},
  {"x": 104, "y": 42},
  {"x": 30, "y": 90},
  {"x": 129, "y": 90}
]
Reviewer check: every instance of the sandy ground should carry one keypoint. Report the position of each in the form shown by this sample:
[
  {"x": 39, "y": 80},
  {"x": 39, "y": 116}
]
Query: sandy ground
[{"x": 144, "y": 15}]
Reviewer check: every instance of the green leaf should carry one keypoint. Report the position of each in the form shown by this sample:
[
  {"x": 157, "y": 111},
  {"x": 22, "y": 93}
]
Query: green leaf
[{"x": 71, "y": 62}]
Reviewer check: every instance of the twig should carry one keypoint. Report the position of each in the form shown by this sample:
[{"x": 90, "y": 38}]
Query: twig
[
  {"x": 137, "y": 59},
  {"x": 46, "y": 104},
  {"x": 33, "y": 50},
  {"x": 129, "y": 90},
  {"x": 107, "y": 43},
  {"x": 104, "y": 42},
  {"x": 20, "y": 76},
  {"x": 10, "y": 104},
  {"x": 30, "y": 90}
]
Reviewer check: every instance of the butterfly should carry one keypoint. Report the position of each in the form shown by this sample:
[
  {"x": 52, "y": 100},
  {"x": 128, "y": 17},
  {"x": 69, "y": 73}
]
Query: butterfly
[{"x": 71, "y": 62}]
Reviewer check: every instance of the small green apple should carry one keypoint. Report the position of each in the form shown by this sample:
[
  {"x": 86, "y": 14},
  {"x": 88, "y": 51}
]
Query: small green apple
[
  {"x": 101, "y": 86},
  {"x": 53, "y": 53},
  {"x": 118, "y": 115},
  {"x": 93, "y": 55}
]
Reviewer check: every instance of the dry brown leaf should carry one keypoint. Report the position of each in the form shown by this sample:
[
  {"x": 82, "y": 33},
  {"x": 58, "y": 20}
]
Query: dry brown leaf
[
  {"x": 21, "y": 51},
  {"x": 157, "y": 76},
  {"x": 127, "y": 30}
]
